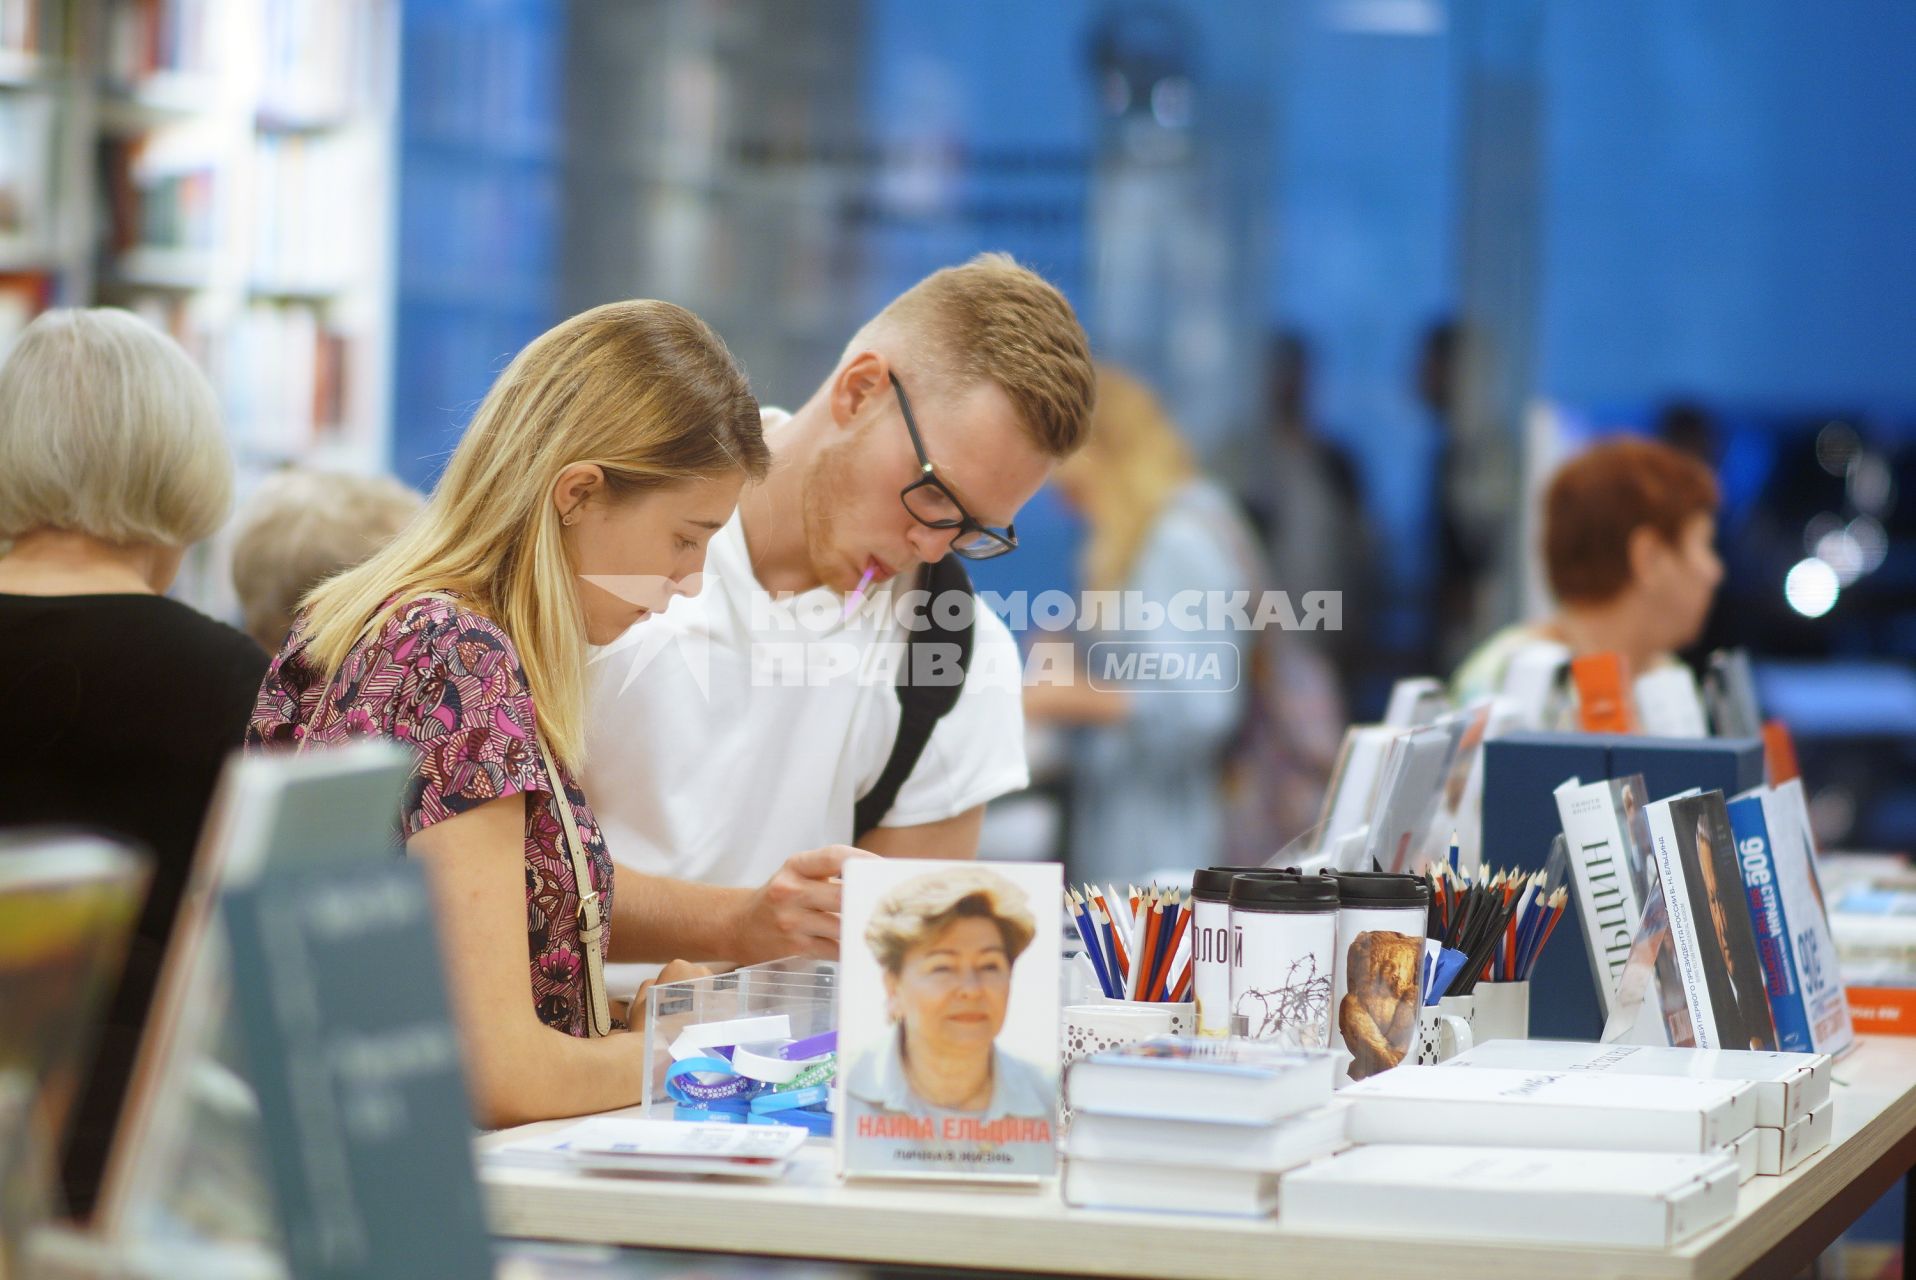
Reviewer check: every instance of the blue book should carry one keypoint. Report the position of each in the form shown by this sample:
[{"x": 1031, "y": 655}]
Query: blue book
[{"x": 1769, "y": 919}]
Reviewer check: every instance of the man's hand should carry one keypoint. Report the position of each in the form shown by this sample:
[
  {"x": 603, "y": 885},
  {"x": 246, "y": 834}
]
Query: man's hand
[
  {"x": 677, "y": 971},
  {"x": 795, "y": 912}
]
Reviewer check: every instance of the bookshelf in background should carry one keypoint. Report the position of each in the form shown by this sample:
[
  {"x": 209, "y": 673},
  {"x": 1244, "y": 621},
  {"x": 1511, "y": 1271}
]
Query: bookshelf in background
[
  {"x": 45, "y": 114},
  {"x": 244, "y": 154}
]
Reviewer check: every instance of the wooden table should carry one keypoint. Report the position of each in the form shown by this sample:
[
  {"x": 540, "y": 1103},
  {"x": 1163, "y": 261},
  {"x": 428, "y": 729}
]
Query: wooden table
[{"x": 1780, "y": 1224}]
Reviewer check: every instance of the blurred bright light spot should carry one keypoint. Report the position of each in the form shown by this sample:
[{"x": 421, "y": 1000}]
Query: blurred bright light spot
[
  {"x": 1842, "y": 553},
  {"x": 1871, "y": 540},
  {"x": 1871, "y": 486},
  {"x": 1821, "y": 526},
  {"x": 1812, "y": 588},
  {"x": 1837, "y": 444}
]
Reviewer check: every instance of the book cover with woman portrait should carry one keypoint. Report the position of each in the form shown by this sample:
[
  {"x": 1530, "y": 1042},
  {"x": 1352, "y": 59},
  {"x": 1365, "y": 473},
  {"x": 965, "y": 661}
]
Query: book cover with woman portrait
[{"x": 948, "y": 1019}]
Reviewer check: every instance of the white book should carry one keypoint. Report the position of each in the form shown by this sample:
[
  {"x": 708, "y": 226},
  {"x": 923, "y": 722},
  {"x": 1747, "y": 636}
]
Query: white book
[
  {"x": 1780, "y": 1150},
  {"x": 1603, "y": 1198},
  {"x": 1747, "y": 1151},
  {"x": 1813, "y": 949},
  {"x": 1414, "y": 701},
  {"x": 1491, "y": 1107},
  {"x": 1153, "y": 1188},
  {"x": 1352, "y": 790},
  {"x": 1787, "y": 1086},
  {"x": 1600, "y": 826},
  {"x": 1182, "y": 1078},
  {"x": 1251, "y": 1148},
  {"x": 623, "y": 1144}
]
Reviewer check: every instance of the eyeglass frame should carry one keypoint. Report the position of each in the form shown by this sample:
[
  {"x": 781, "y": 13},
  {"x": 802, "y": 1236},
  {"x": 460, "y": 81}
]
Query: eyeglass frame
[{"x": 1005, "y": 540}]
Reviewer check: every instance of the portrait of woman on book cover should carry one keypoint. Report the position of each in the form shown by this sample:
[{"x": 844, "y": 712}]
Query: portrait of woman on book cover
[{"x": 939, "y": 1088}]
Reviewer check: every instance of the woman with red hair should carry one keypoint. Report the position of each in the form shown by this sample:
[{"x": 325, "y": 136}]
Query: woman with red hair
[{"x": 1628, "y": 533}]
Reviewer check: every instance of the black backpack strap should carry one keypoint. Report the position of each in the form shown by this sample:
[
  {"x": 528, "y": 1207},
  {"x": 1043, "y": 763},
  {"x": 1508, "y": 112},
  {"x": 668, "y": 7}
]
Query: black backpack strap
[{"x": 922, "y": 702}]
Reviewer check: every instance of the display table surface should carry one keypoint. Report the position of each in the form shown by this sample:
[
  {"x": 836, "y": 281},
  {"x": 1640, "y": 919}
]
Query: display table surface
[{"x": 1779, "y": 1225}]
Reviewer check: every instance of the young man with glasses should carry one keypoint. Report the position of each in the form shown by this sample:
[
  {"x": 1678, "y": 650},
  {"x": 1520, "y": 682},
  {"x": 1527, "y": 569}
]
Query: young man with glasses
[{"x": 748, "y": 722}]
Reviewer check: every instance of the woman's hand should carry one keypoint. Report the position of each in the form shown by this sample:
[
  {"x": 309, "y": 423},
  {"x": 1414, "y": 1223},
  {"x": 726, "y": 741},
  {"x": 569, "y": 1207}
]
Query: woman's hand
[{"x": 795, "y": 912}]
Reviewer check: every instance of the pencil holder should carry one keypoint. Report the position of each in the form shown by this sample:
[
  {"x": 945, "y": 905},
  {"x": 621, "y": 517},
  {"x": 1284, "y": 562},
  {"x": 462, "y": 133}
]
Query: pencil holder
[
  {"x": 1110, "y": 1024},
  {"x": 1501, "y": 1011},
  {"x": 1440, "y": 1036}
]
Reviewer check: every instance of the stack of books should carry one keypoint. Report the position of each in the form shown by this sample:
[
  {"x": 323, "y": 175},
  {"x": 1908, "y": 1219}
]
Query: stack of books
[
  {"x": 1790, "y": 1091},
  {"x": 1182, "y": 1125},
  {"x": 1563, "y": 1155}
]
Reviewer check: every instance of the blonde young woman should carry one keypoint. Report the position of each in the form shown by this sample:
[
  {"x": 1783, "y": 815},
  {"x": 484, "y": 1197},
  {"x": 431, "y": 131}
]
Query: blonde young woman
[
  {"x": 1147, "y": 771},
  {"x": 579, "y": 502}
]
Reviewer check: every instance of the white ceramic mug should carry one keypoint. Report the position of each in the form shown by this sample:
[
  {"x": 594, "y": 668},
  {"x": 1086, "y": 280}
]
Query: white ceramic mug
[
  {"x": 1500, "y": 1011},
  {"x": 1441, "y": 1036}
]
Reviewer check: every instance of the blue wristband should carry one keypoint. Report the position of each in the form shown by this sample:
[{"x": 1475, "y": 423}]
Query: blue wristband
[
  {"x": 681, "y": 1082},
  {"x": 711, "y": 1115},
  {"x": 792, "y": 1099},
  {"x": 818, "y": 1122}
]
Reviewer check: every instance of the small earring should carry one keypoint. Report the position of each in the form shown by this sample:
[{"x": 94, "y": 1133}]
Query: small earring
[{"x": 568, "y": 519}]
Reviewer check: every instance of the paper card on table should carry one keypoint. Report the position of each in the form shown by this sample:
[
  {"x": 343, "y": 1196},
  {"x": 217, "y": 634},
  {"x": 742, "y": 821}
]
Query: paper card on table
[{"x": 948, "y": 1019}]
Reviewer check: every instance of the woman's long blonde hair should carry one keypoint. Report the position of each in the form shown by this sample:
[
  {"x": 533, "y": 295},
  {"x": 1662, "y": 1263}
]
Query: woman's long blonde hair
[
  {"x": 643, "y": 389},
  {"x": 1131, "y": 464}
]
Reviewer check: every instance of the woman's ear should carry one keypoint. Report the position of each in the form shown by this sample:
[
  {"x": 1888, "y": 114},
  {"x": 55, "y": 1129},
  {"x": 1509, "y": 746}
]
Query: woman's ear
[
  {"x": 891, "y": 995},
  {"x": 576, "y": 485},
  {"x": 1646, "y": 551}
]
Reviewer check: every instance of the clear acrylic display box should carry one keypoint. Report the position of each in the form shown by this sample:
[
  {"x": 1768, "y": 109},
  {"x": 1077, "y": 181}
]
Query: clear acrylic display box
[{"x": 804, "y": 990}]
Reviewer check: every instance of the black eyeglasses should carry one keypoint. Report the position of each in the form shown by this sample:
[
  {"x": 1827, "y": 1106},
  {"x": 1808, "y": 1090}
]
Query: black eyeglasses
[{"x": 932, "y": 505}]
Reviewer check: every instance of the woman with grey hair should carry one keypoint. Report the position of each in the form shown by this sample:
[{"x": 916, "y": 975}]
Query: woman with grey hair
[
  {"x": 121, "y": 704},
  {"x": 946, "y": 942}
]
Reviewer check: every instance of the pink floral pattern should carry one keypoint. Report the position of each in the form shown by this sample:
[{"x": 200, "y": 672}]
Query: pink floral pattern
[{"x": 447, "y": 681}]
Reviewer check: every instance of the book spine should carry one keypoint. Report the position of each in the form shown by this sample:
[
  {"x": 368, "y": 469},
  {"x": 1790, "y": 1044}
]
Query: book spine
[
  {"x": 1605, "y": 901},
  {"x": 1683, "y": 935},
  {"x": 1769, "y": 920},
  {"x": 1812, "y": 947}
]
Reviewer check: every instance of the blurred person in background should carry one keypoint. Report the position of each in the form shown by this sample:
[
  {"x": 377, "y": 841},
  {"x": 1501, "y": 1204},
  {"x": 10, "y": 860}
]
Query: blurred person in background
[
  {"x": 1318, "y": 531},
  {"x": 1147, "y": 769},
  {"x": 300, "y": 528},
  {"x": 121, "y": 704},
  {"x": 578, "y": 504},
  {"x": 1629, "y": 531}
]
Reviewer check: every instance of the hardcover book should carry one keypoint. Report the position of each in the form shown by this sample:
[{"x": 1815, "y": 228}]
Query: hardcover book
[
  {"x": 1711, "y": 936},
  {"x": 1224, "y": 1081},
  {"x": 1494, "y": 1107},
  {"x": 1604, "y": 1198},
  {"x": 1258, "y": 1148},
  {"x": 1787, "y": 1086},
  {"x": 1605, "y": 826},
  {"x": 1152, "y": 1188},
  {"x": 948, "y": 1019}
]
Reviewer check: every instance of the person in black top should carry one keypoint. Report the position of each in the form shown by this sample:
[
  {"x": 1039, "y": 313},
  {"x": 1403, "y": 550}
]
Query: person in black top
[{"x": 120, "y": 704}]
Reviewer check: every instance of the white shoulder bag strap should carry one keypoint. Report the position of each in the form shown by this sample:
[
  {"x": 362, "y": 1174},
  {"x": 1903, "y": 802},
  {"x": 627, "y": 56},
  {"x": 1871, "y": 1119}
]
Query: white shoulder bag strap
[{"x": 591, "y": 923}]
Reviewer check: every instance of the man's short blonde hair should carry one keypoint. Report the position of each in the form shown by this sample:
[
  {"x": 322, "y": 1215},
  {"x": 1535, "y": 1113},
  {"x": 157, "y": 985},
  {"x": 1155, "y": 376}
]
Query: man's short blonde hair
[
  {"x": 992, "y": 320},
  {"x": 919, "y": 910},
  {"x": 108, "y": 429},
  {"x": 300, "y": 528}
]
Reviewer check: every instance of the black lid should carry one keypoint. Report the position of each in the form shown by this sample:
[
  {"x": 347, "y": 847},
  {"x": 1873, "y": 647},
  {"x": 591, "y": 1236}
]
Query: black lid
[
  {"x": 1268, "y": 891},
  {"x": 1380, "y": 888},
  {"x": 1213, "y": 884}
]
